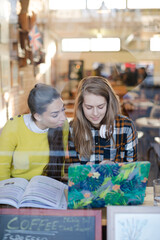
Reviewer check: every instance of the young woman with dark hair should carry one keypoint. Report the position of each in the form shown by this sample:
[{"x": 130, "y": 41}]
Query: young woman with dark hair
[{"x": 24, "y": 148}]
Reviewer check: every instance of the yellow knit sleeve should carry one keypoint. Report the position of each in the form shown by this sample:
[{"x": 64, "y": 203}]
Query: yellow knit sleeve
[{"x": 8, "y": 142}]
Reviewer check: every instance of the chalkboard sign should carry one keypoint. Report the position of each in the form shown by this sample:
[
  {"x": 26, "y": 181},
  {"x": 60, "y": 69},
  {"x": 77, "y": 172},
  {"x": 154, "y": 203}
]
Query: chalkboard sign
[{"x": 46, "y": 224}]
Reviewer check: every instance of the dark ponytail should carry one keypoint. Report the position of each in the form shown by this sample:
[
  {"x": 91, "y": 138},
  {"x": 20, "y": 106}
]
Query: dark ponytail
[
  {"x": 39, "y": 98},
  {"x": 57, "y": 155}
]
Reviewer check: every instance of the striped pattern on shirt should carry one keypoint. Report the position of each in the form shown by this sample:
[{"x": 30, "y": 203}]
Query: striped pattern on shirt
[{"x": 122, "y": 147}]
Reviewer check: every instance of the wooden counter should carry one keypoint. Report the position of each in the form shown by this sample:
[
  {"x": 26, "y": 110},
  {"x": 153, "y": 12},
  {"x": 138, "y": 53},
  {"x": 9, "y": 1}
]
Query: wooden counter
[{"x": 148, "y": 201}]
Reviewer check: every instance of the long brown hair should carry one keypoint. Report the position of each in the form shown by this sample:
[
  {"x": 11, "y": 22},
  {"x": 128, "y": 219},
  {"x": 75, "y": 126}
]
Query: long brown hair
[{"x": 82, "y": 135}]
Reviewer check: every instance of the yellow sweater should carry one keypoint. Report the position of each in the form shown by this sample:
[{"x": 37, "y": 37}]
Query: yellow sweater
[{"x": 23, "y": 153}]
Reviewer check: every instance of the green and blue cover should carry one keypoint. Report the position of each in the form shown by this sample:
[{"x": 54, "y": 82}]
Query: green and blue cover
[{"x": 99, "y": 185}]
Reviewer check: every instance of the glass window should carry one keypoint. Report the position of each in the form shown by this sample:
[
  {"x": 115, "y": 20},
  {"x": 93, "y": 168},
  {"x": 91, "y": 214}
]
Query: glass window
[
  {"x": 143, "y": 4},
  {"x": 155, "y": 43},
  {"x": 69, "y": 4},
  {"x": 105, "y": 44},
  {"x": 75, "y": 45}
]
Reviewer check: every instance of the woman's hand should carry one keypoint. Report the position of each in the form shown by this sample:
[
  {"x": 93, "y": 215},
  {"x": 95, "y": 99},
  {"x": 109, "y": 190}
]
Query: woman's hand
[
  {"x": 107, "y": 162},
  {"x": 89, "y": 163}
]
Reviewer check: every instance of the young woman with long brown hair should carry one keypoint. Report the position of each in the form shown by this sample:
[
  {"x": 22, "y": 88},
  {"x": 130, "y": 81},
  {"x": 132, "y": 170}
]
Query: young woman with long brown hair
[{"x": 98, "y": 132}]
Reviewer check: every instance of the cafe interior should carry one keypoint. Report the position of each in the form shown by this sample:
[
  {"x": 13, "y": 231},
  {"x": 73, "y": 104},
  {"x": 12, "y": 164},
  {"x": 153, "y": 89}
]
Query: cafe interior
[{"x": 116, "y": 39}]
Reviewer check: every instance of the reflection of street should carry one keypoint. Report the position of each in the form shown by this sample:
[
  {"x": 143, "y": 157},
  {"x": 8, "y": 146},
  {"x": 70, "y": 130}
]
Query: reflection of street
[
  {"x": 149, "y": 145},
  {"x": 142, "y": 105},
  {"x": 137, "y": 108},
  {"x": 148, "y": 123}
]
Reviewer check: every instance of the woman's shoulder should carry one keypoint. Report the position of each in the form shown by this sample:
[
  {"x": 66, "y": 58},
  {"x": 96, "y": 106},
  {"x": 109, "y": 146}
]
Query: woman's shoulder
[
  {"x": 13, "y": 124},
  {"x": 16, "y": 120},
  {"x": 122, "y": 119}
]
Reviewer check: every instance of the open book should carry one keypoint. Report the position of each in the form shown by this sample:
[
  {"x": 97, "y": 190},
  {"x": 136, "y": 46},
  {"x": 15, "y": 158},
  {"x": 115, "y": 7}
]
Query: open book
[{"x": 39, "y": 192}]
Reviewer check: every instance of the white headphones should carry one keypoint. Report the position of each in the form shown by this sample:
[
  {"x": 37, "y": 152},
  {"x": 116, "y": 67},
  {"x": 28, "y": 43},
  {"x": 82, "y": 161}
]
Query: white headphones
[{"x": 102, "y": 131}]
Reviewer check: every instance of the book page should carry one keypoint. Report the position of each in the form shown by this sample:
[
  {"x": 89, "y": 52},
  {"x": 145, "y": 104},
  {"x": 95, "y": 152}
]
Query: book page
[
  {"x": 11, "y": 191},
  {"x": 64, "y": 200},
  {"x": 43, "y": 192}
]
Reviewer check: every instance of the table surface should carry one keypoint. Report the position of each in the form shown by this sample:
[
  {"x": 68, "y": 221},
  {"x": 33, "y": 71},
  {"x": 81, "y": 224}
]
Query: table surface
[
  {"x": 142, "y": 104},
  {"x": 148, "y": 122}
]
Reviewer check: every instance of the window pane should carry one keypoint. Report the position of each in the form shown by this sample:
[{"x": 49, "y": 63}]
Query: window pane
[
  {"x": 75, "y": 45},
  {"x": 118, "y": 4},
  {"x": 105, "y": 44},
  {"x": 69, "y": 4},
  {"x": 155, "y": 44},
  {"x": 143, "y": 4},
  {"x": 96, "y": 4}
]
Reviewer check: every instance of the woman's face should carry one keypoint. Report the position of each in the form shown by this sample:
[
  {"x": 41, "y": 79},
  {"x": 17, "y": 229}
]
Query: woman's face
[
  {"x": 53, "y": 117},
  {"x": 94, "y": 108}
]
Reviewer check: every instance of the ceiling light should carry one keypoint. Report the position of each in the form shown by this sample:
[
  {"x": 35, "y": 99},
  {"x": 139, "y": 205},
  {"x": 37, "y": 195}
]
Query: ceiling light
[{"x": 103, "y": 9}]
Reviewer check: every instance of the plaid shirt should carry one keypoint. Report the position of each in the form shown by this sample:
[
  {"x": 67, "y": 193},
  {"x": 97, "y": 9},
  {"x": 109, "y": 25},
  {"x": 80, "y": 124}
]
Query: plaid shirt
[{"x": 122, "y": 149}]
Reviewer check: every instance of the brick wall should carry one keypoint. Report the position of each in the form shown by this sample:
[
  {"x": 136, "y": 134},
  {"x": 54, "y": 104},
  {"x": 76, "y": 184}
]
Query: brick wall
[{"x": 19, "y": 94}]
